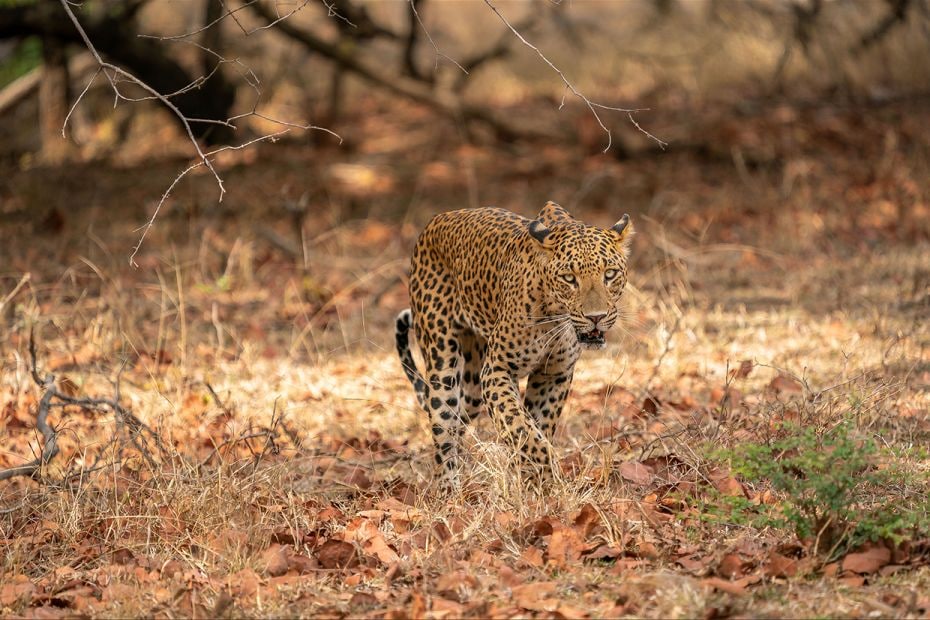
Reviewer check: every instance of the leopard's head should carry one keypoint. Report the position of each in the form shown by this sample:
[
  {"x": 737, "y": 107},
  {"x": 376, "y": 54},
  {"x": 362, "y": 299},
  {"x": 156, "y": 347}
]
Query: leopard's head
[{"x": 583, "y": 271}]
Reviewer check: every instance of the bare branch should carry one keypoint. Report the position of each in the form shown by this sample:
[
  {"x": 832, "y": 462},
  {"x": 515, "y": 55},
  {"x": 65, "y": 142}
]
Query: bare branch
[
  {"x": 592, "y": 106},
  {"x": 397, "y": 84},
  {"x": 897, "y": 14},
  {"x": 269, "y": 137},
  {"x": 357, "y": 17},
  {"x": 207, "y": 26},
  {"x": 331, "y": 11},
  {"x": 439, "y": 54},
  {"x": 132, "y": 78},
  {"x": 410, "y": 46},
  {"x": 501, "y": 48},
  {"x": 16, "y": 289},
  {"x": 74, "y": 106},
  {"x": 278, "y": 19},
  {"x": 116, "y": 75}
]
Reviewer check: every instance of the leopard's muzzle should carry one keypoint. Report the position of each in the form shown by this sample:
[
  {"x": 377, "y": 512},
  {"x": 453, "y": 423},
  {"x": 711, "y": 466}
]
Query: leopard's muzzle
[{"x": 591, "y": 339}]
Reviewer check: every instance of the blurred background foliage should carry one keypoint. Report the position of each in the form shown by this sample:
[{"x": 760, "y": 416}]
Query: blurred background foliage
[{"x": 327, "y": 58}]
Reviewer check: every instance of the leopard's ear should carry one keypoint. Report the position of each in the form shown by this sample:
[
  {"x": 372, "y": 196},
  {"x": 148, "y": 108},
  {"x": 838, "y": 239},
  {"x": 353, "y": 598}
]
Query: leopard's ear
[
  {"x": 553, "y": 213},
  {"x": 540, "y": 233},
  {"x": 623, "y": 229}
]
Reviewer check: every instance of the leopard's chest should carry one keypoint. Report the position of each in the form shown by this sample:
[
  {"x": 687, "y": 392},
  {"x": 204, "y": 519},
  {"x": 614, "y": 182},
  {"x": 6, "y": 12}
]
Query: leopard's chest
[{"x": 549, "y": 350}]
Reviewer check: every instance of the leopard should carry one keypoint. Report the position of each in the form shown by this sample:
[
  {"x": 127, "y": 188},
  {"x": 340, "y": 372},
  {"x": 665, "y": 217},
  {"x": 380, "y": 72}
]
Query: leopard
[{"x": 496, "y": 297}]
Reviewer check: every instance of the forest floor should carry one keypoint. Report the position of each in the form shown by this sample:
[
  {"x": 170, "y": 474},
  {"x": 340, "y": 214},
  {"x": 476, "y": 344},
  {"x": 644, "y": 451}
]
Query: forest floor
[{"x": 753, "y": 441}]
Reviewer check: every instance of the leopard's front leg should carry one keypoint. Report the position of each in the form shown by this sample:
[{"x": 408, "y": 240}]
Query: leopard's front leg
[
  {"x": 546, "y": 391},
  {"x": 501, "y": 395}
]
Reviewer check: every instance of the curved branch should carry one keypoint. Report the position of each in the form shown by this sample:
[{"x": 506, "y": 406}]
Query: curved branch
[
  {"x": 163, "y": 99},
  {"x": 396, "y": 84},
  {"x": 115, "y": 40},
  {"x": 897, "y": 14},
  {"x": 591, "y": 105}
]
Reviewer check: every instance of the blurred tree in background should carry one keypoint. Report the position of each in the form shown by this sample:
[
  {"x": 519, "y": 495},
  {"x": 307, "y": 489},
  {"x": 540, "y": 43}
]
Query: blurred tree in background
[{"x": 219, "y": 61}]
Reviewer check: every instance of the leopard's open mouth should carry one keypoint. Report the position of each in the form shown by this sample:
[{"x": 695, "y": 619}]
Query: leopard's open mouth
[{"x": 593, "y": 338}]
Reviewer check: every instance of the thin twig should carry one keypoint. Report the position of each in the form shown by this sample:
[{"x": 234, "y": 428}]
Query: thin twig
[
  {"x": 78, "y": 100},
  {"x": 115, "y": 74},
  {"x": 151, "y": 221},
  {"x": 49, "y": 436},
  {"x": 591, "y": 105},
  {"x": 667, "y": 347},
  {"x": 439, "y": 54},
  {"x": 132, "y": 78},
  {"x": 19, "y": 285}
]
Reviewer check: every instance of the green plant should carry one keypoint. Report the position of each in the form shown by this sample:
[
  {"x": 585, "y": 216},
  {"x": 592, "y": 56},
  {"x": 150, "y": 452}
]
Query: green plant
[
  {"x": 834, "y": 494},
  {"x": 735, "y": 510},
  {"x": 25, "y": 57}
]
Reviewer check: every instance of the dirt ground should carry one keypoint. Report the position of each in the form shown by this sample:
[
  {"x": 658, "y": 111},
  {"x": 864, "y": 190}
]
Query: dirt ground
[{"x": 268, "y": 457}]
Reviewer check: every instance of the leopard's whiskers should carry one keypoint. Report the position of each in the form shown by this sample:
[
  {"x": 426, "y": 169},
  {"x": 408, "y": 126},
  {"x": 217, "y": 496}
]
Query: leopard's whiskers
[
  {"x": 560, "y": 330},
  {"x": 561, "y": 323},
  {"x": 565, "y": 326},
  {"x": 535, "y": 321}
]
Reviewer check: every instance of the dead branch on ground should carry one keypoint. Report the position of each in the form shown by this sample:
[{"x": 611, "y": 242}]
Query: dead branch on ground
[{"x": 140, "y": 434}]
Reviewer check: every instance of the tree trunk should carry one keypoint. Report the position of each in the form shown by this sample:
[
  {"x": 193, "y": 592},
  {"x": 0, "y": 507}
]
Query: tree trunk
[
  {"x": 54, "y": 98},
  {"x": 114, "y": 35}
]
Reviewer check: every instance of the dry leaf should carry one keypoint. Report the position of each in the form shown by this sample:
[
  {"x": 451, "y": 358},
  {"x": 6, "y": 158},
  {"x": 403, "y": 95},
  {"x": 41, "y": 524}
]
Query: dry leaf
[
  {"x": 301, "y": 563},
  {"x": 852, "y": 581},
  {"x": 745, "y": 367},
  {"x": 533, "y": 556},
  {"x": 337, "y": 554},
  {"x": 783, "y": 384},
  {"x": 729, "y": 486},
  {"x": 49, "y": 613},
  {"x": 779, "y": 565},
  {"x": 731, "y": 566},
  {"x": 444, "y": 608},
  {"x": 417, "y": 606},
  {"x": 565, "y": 547},
  {"x": 736, "y": 588},
  {"x": 586, "y": 520},
  {"x": 362, "y": 600},
  {"x": 650, "y": 406},
  {"x": 697, "y": 566},
  {"x": 636, "y": 472},
  {"x": 442, "y": 532},
  {"x": 867, "y": 561},
  {"x": 508, "y": 577},
  {"x": 647, "y": 550},
  {"x": 535, "y": 596},
  {"x": 16, "y": 589}
]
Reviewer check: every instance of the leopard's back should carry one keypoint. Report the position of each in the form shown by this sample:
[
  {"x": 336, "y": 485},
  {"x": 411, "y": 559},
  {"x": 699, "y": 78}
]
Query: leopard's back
[{"x": 462, "y": 255}]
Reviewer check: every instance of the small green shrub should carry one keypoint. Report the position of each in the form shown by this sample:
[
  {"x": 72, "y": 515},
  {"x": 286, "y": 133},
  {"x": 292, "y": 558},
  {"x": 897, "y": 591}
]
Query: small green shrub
[{"x": 834, "y": 494}]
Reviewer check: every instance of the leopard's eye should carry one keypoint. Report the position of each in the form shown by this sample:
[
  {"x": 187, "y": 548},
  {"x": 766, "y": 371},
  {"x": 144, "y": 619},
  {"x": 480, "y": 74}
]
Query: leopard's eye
[
  {"x": 568, "y": 277},
  {"x": 610, "y": 274}
]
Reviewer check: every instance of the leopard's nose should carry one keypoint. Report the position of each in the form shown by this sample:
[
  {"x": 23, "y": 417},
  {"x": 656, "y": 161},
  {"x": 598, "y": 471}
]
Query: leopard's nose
[{"x": 595, "y": 317}]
